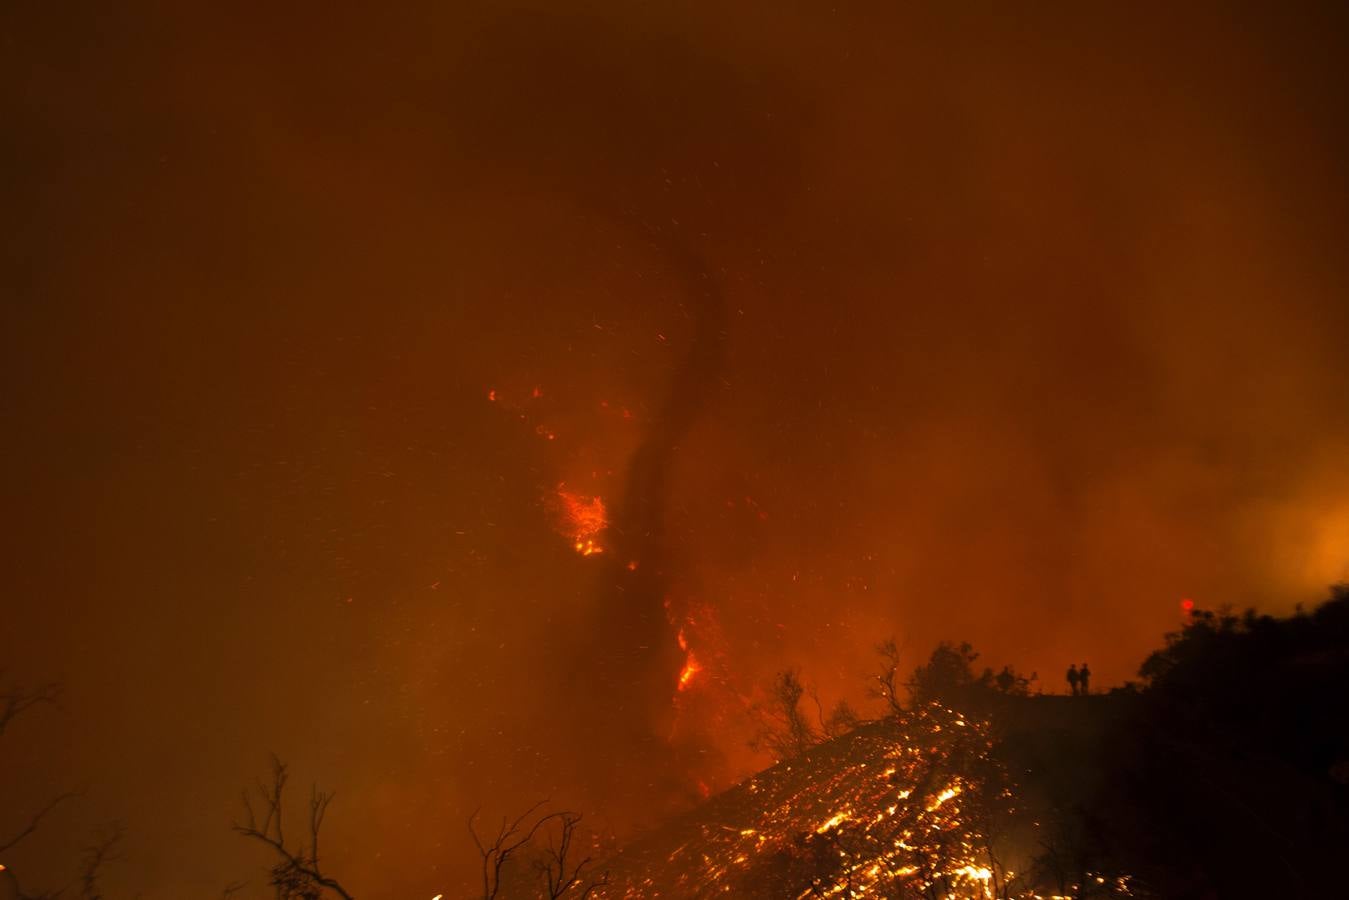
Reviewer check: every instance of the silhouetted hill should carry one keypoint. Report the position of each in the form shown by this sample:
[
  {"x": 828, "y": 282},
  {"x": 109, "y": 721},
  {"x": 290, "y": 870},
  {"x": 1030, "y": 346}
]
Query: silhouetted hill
[
  {"x": 1224, "y": 775},
  {"x": 916, "y": 804},
  {"x": 1228, "y": 776}
]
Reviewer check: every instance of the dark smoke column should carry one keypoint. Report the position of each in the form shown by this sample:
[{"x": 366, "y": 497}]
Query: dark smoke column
[
  {"x": 636, "y": 662},
  {"x": 634, "y": 125}
]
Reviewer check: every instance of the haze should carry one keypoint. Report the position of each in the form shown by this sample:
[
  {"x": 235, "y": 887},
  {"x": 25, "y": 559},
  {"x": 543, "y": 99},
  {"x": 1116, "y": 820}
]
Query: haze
[{"x": 1018, "y": 326}]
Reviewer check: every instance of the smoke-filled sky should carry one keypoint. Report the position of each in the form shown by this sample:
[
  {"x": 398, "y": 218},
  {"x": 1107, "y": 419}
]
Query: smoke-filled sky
[{"x": 1008, "y": 324}]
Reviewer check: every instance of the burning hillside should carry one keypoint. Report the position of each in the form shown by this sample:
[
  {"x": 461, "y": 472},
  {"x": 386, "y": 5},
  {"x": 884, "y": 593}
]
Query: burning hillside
[{"x": 916, "y": 805}]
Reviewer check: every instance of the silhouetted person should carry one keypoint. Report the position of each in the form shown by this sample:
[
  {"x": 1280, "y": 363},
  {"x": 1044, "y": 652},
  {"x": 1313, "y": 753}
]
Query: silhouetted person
[
  {"x": 1084, "y": 676},
  {"x": 1073, "y": 678}
]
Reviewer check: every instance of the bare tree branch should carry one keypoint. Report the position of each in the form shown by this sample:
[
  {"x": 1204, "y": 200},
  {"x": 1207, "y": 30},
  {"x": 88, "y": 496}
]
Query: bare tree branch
[
  {"x": 298, "y": 874},
  {"x": 784, "y": 729},
  {"x": 511, "y": 836},
  {"x": 96, "y": 856},
  {"x": 814, "y": 694},
  {"x": 558, "y": 878},
  {"x": 16, "y": 700},
  {"x": 36, "y": 820},
  {"x": 885, "y": 682}
]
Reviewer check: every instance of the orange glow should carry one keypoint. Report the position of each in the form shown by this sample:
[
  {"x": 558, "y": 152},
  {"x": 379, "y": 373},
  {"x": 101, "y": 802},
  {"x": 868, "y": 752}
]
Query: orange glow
[
  {"x": 831, "y": 822},
  {"x": 691, "y": 664},
  {"x": 584, "y": 520},
  {"x": 691, "y": 668}
]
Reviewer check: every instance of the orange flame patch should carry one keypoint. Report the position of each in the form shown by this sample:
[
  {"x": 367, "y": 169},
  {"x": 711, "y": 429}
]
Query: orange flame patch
[{"x": 584, "y": 520}]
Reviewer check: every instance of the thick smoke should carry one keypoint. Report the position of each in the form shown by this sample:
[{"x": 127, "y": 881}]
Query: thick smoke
[
  {"x": 660, "y": 143},
  {"x": 633, "y": 660},
  {"x": 1012, "y": 327}
]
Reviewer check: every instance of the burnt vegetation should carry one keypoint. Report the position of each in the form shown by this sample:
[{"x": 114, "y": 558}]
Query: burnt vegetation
[{"x": 1222, "y": 772}]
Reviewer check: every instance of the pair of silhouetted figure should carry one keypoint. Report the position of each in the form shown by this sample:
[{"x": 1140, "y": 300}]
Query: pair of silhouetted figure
[{"x": 1079, "y": 680}]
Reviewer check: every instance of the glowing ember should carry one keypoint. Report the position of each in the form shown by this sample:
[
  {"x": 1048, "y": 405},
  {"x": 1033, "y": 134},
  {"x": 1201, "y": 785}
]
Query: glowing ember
[
  {"x": 691, "y": 666},
  {"x": 908, "y": 806},
  {"x": 831, "y": 822},
  {"x": 583, "y": 520},
  {"x": 942, "y": 798}
]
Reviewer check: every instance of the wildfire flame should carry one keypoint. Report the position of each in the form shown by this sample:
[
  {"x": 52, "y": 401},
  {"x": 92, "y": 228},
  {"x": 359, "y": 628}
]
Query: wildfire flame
[
  {"x": 691, "y": 666},
  {"x": 899, "y": 807},
  {"x": 583, "y": 520}
]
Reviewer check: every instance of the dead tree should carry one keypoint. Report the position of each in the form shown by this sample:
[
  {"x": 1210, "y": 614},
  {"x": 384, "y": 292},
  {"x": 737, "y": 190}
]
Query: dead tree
[
  {"x": 560, "y": 875},
  {"x": 298, "y": 875},
  {"x": 34, "y": 821},
  {"x": 841, "y": 719},
  {"x": 15, "y": 700},
  {"x": 885, "y": 682},
  {"x": 512, "y": 836},
  {"x": 97, "y": 855},
  {"x": 785, "y": 731}
]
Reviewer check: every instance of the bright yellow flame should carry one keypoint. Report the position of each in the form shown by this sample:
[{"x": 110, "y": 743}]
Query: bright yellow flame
[
  {"x": 691, "y": 665},
  {"x": 936, "y": 843},
  {"x": 830, "y": 823},
  {"x": 942, "y": 798},
  {"x": 691, "y": 668},
  {"x": 974, "y": 873}
]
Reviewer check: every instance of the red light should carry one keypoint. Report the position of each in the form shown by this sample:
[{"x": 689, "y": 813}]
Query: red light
[{"x": 1187, "y": 605}]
